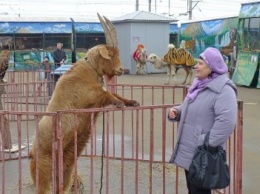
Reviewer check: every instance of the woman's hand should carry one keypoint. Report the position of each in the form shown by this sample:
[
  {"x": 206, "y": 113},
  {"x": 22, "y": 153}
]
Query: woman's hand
[{"x": 173, "y": 113}]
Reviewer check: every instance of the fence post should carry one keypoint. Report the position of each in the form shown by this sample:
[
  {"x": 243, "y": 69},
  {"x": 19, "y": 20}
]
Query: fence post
[
  {"x": 5, "y": 132},
  {"x": 239, "y": 145}
]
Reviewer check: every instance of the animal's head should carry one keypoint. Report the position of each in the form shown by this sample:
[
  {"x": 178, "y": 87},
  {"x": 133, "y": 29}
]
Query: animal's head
[
  {"x": 152, "y": 58},
  {"x": 106, "y": 60},
  {"x": 156, "y": 61},
  {"x": 106, "y": 57}
]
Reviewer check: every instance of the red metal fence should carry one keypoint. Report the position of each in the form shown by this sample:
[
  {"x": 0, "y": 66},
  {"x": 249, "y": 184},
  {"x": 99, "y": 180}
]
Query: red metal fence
[{"x": 128, "y": 150}]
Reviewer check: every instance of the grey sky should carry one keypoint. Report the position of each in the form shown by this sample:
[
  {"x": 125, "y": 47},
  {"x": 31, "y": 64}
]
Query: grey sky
[{"x": 203, "y": 9}]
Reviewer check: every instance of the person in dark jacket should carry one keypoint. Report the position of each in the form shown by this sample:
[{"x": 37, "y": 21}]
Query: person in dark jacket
[
  {"x": 59, "y": 56},
  {"x": 210, "y": 106}
]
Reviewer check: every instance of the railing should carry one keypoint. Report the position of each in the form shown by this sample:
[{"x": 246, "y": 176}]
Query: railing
[{"x": 128, "y": 148}]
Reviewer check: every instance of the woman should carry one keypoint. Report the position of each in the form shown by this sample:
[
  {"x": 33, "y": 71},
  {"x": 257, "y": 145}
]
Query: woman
[{"x": 210, "y": 106}]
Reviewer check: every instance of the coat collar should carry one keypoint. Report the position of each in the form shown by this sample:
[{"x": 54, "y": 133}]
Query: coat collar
[{"x": 219, "y": 82}]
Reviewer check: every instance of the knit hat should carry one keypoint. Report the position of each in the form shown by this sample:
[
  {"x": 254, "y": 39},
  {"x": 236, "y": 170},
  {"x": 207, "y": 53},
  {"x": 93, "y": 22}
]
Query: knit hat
[{"x": 213, "y": 58}]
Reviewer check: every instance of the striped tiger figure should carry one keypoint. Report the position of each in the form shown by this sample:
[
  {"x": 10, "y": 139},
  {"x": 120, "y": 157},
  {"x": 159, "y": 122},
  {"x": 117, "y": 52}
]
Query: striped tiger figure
[
  {"x": 179, "y": 56},
  {"x": 173, "y": 58}
]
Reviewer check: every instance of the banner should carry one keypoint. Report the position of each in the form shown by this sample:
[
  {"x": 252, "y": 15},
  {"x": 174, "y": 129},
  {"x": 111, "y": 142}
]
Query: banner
[{"x": 245, "y": 68}]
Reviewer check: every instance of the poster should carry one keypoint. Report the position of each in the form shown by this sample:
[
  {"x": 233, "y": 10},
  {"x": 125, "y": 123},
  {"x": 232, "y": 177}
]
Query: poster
[{"x": 245, "y": 68}]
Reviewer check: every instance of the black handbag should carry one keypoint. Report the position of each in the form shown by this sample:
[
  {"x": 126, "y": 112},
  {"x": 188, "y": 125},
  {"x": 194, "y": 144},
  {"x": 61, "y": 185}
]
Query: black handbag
[{"x": 209, "y": 169}]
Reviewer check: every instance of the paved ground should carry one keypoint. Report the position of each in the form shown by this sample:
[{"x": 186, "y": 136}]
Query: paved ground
[{"x": 251, "y": 132}]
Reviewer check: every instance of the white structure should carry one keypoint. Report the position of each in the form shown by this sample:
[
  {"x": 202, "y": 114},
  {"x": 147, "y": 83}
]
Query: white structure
[{"x": 140, "y": 27}]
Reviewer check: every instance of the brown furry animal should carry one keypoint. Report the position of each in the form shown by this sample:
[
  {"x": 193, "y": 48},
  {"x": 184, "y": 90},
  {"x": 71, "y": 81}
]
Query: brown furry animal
[
  {"x": 79, "y": 88},
  {"x": 4, "y": 63}
]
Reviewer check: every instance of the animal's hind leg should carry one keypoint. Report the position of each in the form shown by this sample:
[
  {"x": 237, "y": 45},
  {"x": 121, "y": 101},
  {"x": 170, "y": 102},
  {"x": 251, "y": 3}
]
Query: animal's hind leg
[
  {"x": 186, "y": 68},
  {"x": 67, "y": 175},
  {"x": 168, "y": 74},
  {"x": 190, "y": 74},
  {"x": 168, "y": 80},
  {"x": 171, "y": 73},
  {"x": 44, "y": 171},
  {"x": 69, "y": 155}
]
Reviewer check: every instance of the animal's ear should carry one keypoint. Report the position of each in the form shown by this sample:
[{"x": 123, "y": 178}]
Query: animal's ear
[{"x": 104, "y": 53}]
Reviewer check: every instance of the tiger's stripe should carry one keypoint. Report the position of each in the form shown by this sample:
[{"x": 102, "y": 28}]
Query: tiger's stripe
[{"x": 179, "y": 56}]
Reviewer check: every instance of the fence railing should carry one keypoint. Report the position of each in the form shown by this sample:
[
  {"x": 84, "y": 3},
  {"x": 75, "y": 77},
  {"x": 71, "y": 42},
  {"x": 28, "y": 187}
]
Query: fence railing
[{"x": 127, "y": 151}]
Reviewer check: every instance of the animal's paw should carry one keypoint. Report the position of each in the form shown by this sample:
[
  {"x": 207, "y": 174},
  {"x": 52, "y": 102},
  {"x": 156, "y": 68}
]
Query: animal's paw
[
  {"x": 80, "y": 185},
  {"x": 132, "y": 103}
]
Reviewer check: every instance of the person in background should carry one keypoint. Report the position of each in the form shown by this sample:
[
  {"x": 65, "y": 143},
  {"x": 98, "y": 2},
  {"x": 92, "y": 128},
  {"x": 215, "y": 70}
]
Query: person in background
[
  {"x": 46, "y": 66},
  {"x": 47, "y": 76},
  {"x": 209, "y": 106},
  {"x": 59, "y": 56}
]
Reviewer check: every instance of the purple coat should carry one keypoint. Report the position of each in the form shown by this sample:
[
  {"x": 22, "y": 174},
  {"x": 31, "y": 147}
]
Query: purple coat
[{"x": 214, "y": 110}]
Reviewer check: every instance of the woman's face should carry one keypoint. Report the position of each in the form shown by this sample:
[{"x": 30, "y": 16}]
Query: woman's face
[{"x": 202, "y": 70}]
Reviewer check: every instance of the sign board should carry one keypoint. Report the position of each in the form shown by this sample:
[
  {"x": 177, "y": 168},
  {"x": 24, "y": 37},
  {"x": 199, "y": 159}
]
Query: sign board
[{"x": 245, "y": 68}]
